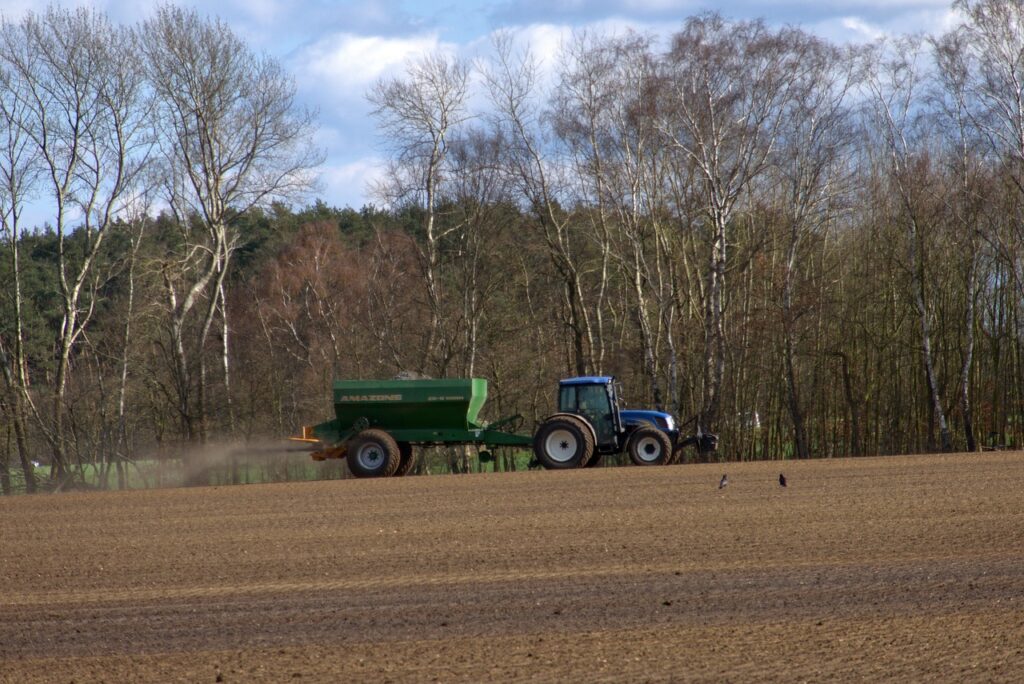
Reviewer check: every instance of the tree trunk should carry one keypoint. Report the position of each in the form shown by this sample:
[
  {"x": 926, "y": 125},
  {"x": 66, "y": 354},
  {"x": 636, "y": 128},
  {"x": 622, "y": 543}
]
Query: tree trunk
[
  {"x": 182, "y": 374},
  {"x": 121, "y": 448},
  {"x": 577, "y": 326},
  {"x": 199, "y": 476},
  {"x": 644, "y": 328},
  {"x": 16, "y": 379},
  {"x": 917, "y": 268},
  {"x": 800, "y": 446},
  {"x": 796, "y": 414},
  {"x": 714, "y": 336},
  {"x": 968, "y": 359},
  {"x": 18, "y": 422},
  {"x": 225, "y": 359},
  {"x": 5, "y": 470},
  {"x": 59, "y": 471},
  {"x": 193, "y": 415},
  {"x": 430, "y": 272},
  {"x": 852, "y": 405}
]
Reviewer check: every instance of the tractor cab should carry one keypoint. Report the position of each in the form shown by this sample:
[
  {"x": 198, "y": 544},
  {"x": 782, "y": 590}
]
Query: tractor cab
[{"x": 594, "y": 398}]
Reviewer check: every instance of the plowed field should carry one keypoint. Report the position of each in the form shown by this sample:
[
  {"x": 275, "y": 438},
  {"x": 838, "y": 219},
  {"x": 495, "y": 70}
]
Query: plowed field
[{"x": 907, "y": 568}]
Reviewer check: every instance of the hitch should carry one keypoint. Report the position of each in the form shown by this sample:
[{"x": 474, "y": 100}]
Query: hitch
[{"x": 307, "y": 436}]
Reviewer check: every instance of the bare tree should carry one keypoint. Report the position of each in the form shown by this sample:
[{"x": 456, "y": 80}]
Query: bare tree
[
  {"x": 419, "y": 114},
  {"x": 965, "y": 205},
  {"x": 813, "y": 177},
  {"x": 479, "y": 196},
  {"x": 989, "y": 45},
  {"x": 895, "y": 89},
  {"x": 583, "y": 117},
  {"x": 232, "y": 138},
  {"x": 983, "y": 75},
  {"x": 19, "y": 173},
  {"x": 544, "y": 185},
  {"x": 728, "y": 84},
  {"x": 605, "y": 112},
  {"x": 78, "y": 78}
]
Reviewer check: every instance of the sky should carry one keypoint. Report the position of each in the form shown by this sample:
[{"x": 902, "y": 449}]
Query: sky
[{"x": 336, "y": 49}]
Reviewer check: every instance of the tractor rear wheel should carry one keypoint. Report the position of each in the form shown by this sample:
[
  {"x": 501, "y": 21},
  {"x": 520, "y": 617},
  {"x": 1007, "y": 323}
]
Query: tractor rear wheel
[
  {"x": 406, "y": 459},
  {"x": 649, "y": 446},
  {"x": 373, "y": 453},
  {"x": 563, "y": 442}
]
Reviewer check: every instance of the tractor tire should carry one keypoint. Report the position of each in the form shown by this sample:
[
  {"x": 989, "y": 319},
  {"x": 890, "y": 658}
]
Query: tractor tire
[
  {"x": 562, "y": 443},
  {"x": 407, "y": 459},
  {"x": 649, "y": 446},
  {"x": 373, "y": 453}
]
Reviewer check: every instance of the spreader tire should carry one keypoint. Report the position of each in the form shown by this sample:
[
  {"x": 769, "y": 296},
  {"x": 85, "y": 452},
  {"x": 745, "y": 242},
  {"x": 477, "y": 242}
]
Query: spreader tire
[
  {"x": 407, "y": 459},
  {"x": 563, "y": 442},
  {"x": 373, "y": 453},
  {"x": 649, "y": 446}
]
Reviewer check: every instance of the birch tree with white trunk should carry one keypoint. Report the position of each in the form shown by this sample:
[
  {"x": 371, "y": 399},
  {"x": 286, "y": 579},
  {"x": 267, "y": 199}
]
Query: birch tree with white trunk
[{"x": 231, "y": 137}]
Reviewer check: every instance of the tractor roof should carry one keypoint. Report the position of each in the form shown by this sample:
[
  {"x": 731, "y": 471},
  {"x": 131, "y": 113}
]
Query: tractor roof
[{"x": 588, "y": 380}]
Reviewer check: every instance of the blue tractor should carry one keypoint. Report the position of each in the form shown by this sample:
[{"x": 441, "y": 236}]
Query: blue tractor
[{"x": 591, "y": 423}]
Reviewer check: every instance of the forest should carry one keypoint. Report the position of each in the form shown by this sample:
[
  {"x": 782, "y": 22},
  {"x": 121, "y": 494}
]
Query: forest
[{"x": 813, "y": 250}]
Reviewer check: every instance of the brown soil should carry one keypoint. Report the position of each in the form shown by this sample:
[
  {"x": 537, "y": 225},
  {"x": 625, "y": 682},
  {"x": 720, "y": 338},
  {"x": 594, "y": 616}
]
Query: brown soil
[{"x": 907, "y": 568}]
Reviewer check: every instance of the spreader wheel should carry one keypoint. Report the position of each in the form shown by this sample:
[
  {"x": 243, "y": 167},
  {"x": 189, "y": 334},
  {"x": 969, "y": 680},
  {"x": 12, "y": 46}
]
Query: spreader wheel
[
  {"x": 562, "y": 443},
  {"x": 649, "y": 446},
  {"x": 373, "y": 453}
]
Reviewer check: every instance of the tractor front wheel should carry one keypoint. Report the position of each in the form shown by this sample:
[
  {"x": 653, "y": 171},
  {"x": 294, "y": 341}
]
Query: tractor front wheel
[
  {"x": 373, "y": 453},
  {"x": 649, "y": 446},
  {"x": 563, "y": 443}
]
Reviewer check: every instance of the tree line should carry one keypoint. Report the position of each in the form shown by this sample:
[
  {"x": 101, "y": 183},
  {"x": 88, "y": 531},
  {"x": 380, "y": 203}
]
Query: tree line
[{"x": 810, "y": 249}]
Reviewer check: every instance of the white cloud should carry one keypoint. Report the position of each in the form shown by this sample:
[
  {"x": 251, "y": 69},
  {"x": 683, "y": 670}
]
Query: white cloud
[
  {"x": 350, "y": 183},
  {"x": 350, "y": 62},
  {"x": 925, "y": 21},
  {"x": 888, "y": 6},
  {"x": 856, "y": 29},
  {"x": 848, "y": 30},
  {"x": 334, "y": 75},
  {"x": 544, "y": 41},
  {"x": 657, "y": 6}
]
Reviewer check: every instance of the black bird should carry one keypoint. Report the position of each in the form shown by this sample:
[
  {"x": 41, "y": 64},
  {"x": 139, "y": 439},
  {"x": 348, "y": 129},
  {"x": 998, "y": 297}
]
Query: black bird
[
  {"x": 724, "y": 481},
  {"x": 782, "y": 480}
]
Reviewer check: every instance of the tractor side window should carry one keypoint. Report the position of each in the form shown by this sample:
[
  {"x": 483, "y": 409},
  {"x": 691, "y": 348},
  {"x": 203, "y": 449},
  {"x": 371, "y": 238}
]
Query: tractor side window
[{"x": 567, "y": 399}]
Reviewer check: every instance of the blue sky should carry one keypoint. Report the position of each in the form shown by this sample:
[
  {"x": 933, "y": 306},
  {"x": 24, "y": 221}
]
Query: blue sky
[{"x": 336, "y": 50}]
